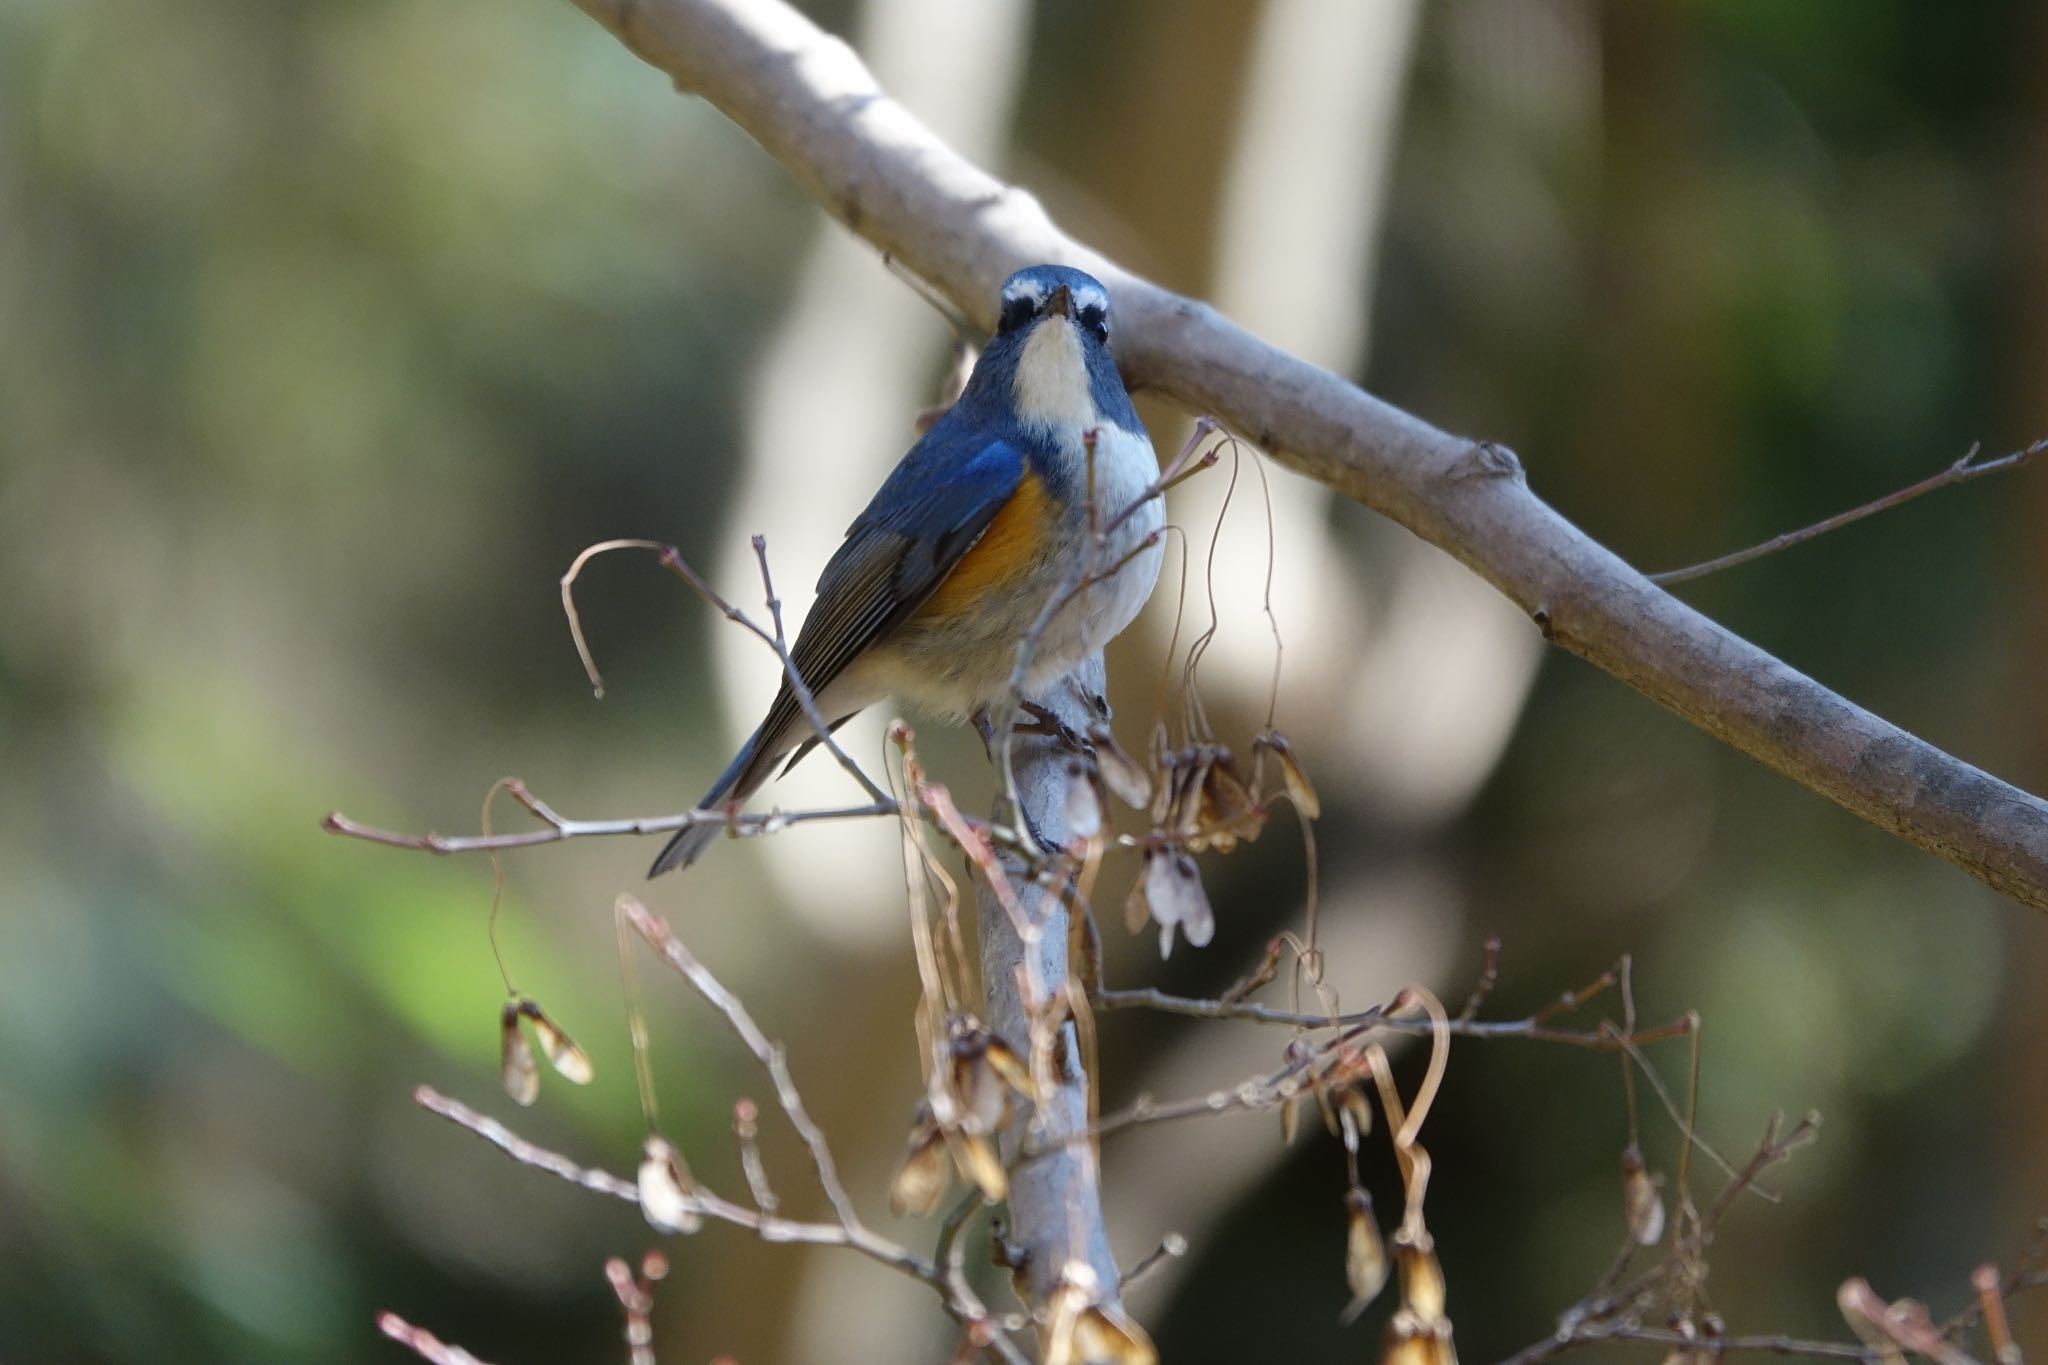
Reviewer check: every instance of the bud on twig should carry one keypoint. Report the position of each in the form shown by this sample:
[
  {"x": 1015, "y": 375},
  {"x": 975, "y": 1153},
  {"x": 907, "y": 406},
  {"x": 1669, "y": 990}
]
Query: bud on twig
[
  {"x": 1639, "y": 1197},
  {"x": 665, "y": 1188}
]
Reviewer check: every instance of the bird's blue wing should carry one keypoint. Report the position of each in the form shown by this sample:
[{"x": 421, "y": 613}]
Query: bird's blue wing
[{"x": 930, "y": 511}]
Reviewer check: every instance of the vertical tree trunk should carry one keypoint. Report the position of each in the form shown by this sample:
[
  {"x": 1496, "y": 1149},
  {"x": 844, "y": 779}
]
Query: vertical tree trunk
[{"x": 1056, "y": 1200}]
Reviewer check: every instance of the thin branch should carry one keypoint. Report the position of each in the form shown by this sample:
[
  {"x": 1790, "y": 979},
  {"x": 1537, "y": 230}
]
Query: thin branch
[
  {"x": 670, "y": 558},
  {"x": 636, "y": 1300},
  {"x": 959, "y": 1298},
  {"x": 1171, "y": 1247},
  {"x": 2028, "y": 1273},
  {"x": 1532, "y": 1028},
  {"x": 745, "y": 1127},
  {"x": 1769, "y": 1152},
  {"x": 1961, "y": 472},
  {"x": 806, "y": 98},
  {"x": 423, "y": 1343},
  {"x": 524, "y": 1152},
  {"x": 1670, "y": 1291},
  {"x": 821, "y": 729},
  {"x": 770, "y": 1054},
  {"x": 559, "y": 827},
  {"x": 1701, "y": 1345}
]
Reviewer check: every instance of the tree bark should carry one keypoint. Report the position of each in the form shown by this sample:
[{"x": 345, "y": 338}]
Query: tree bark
[{"x": 1055, "y": 1199}]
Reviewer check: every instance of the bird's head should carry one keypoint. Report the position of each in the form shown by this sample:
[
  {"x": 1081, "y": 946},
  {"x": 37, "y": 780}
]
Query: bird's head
[{"x": 1049, "y": 360}]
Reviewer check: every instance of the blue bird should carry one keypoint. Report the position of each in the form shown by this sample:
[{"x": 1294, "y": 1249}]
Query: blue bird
[{"x": 941, "y": 578}]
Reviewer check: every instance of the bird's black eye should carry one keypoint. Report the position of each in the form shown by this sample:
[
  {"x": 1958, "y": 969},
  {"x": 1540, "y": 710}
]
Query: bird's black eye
[
  {"x": 1095, "y": 320},
  {"x": 1016, "y": 312}
]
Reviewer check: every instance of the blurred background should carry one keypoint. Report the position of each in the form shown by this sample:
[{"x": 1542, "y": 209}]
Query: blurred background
[{"x": 329, "y": 332}]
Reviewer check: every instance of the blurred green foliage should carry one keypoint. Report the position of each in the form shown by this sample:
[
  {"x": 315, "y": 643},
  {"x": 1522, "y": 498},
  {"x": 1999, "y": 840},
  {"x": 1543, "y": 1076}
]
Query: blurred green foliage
[{"x": 330, "y": 331}]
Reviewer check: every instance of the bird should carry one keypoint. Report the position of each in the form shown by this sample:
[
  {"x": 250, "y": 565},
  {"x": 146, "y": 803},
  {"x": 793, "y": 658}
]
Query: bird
[{"x": 941, "y": 578}]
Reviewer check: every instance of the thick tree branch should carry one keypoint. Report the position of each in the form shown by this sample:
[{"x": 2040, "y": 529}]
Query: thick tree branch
[
  {"x": 806, "y": 98},
  {"x": 1055, "y": 1204}
]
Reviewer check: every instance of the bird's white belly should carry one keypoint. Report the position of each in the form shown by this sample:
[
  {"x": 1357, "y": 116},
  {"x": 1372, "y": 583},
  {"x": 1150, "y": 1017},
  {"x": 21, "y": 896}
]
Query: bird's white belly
[{"x": 1125, "y": 469}]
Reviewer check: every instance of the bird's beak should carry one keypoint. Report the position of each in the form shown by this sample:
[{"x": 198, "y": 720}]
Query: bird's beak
[{"x": 1059, "y": 302}]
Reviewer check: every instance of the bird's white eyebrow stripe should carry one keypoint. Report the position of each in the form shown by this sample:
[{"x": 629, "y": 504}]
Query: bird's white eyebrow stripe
[{"x": 1085, "y": 296}]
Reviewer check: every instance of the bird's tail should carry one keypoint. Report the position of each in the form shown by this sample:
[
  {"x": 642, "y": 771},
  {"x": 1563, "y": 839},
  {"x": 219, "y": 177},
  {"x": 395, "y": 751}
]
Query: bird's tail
[{"x": 748, "y": 770}]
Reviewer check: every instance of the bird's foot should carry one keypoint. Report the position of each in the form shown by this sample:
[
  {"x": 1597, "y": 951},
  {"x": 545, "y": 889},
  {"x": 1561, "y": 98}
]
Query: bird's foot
[{"x": 1044, "y": 721}]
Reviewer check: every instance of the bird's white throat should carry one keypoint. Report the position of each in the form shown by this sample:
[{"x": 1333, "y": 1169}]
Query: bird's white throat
[{"x": 1051, "y": 387}]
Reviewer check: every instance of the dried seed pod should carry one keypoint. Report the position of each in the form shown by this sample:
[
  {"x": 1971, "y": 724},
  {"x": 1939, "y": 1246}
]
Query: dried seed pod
[
  {"x": 1137, "y": 909},
  {"x": 975, "y": 1157},
  {"x": 1365, "y": 1255},
  {"x": 1290, "y": 1119},
  {"x": 1010, "y": 1068},
  {"x": 1165, "y": 764},
  {"x": 1300, "y": 790},
  {"x": 1412, "y": 1341},
  {"x": 925, "y": 1172},
  {"x": 1354, "y": 1117},
  {"x": 1063, "y": 1313},
  {"x": 665, "y": 1186},
  {"x": 571, "y": 1061},
  {"x": 1121, "y": 773},
  {"x": 1639, "y": 1197},
  {"x": 1111, "y": 1340},
  {"x": 983, "y": 1101},
  {"x": 1326, "y": 1104},
  {"x": 1173, "y": 889},
  {"x": 1228, "y": 812},
  {"x": 516, "y": 1067},
  {"x": 1080, "y": 1331},
  {"x": 1423, "y": 1293},
  {"x": 1185, "y": 813},
  {"x": 1354, "y": 1114},
  {"x": 984, "y": 1071},
  {"x": 1084, "y": 808}
]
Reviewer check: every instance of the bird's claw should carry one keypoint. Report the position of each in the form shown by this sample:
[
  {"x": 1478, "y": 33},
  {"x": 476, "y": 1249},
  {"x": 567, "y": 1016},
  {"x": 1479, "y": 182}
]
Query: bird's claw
[{"x": 1045, "y": 721}]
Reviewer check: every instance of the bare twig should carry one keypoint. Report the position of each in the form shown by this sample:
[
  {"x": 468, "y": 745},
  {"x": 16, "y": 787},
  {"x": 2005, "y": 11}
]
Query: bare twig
[
  {"x": 558, "y": 828},
  {"x": 1669, "y": 1292},
  {"x": 636, "y": 1301},
  {"x": 1961, "y": 472},
  {"x": 522, "y": 1151},
  {"x": 1774, "y": 1148},
  {"x": 821, "y": 728},
  {"x": 958, "y": 1297},
  {"x": 1704, "y": 1346},
  {"x": 2028, "y": 1273},
  {"x": 423, "y": 1343},
  {"x": 1489, "y": 977},
  {"x": 1532, "y": 1028},
  {"x": 745, "y": 1127},
  {"x": 1171, "y": 1247},
  {"x": 670, "y": 558},
  {"x": 811, "y": 104},
  {"x": 770, "y": 1054}
]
